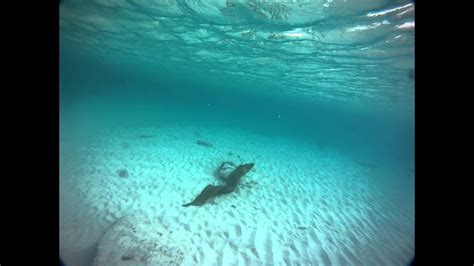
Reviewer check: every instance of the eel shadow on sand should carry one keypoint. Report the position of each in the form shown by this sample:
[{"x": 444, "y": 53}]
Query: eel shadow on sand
[{"x": 211, "y": 191}]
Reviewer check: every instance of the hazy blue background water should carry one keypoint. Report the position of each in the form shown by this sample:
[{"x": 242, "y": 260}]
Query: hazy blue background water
[
  {"x": 337, "y": 72},
  {"x": 96, "y": 94}
]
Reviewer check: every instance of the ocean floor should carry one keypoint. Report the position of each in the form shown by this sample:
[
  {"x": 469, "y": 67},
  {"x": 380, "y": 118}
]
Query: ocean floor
[{"x": 300, "y": 205}]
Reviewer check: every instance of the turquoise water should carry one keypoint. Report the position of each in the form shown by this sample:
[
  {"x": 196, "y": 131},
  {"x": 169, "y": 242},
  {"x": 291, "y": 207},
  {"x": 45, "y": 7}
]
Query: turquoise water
[{"x": 337, "y": 75}]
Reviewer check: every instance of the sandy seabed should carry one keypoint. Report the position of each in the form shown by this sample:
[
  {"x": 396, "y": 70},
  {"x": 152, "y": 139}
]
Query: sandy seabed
[{"x": 300, "y": 205}]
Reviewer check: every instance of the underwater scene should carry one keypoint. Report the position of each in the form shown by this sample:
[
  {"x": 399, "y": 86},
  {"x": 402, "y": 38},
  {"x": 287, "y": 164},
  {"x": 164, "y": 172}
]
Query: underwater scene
[{"x": 236, "y": 132}]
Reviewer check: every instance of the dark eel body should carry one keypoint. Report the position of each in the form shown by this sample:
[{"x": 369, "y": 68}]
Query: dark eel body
[{"x": 211, "y": 191}]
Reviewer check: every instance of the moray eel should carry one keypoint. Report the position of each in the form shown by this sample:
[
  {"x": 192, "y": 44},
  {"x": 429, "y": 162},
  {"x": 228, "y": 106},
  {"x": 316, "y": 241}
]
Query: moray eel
[{"x": 211, "y": 191}]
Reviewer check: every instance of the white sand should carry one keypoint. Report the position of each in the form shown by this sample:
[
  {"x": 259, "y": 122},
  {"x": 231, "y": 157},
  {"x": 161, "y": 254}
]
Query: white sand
[{"x": 308, "y": 206}]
